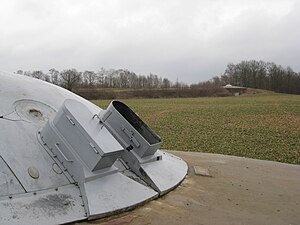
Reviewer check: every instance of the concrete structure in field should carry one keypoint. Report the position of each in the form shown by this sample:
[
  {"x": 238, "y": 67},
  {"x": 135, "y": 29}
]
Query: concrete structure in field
[{"x": 235, "y": 90}]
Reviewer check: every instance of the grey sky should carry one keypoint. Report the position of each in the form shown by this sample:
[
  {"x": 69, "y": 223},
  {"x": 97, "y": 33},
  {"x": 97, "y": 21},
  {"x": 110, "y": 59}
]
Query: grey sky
[{"x": 192, "y": 40}]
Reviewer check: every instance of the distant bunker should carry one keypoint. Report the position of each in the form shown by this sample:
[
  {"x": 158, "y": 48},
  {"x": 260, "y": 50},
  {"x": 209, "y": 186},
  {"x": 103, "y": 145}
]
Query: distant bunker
[{"x": 235, "y": 90}]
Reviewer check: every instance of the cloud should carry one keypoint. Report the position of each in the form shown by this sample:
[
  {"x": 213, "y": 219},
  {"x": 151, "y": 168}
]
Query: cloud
[{"x": 185, "y": 40}]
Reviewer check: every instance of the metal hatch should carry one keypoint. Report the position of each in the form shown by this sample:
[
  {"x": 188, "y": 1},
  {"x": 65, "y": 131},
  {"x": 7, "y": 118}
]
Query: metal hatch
[{"x": 9, "y": 184}]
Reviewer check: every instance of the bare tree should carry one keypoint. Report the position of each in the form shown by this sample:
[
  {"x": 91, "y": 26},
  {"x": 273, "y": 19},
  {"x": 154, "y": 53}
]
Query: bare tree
[
  {"x": 166, "y": 83},
  {"x": 70, "y": 78},
  {"x": 38, "y": 74},
  {"x": 102, "y": 78},
  {"x": 20, "y": 72},
  {"x": 259, "y": 74},
  {"x": 54, "y": 76},
  {"x": 89, "y": 78}
]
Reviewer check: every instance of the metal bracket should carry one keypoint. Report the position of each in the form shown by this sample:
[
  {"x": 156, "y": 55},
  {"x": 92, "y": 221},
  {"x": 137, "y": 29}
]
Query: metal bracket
[
  {"x": 71, "y": 121},
  {"x": 94, "y": 148},
  {"x": 61, "y": 152},
  {"x": 130, "y": 134},
  {"x": 105, "y": 116}
]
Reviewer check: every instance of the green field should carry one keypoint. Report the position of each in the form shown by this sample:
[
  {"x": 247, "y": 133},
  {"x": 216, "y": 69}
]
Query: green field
[{"x": 261, "y": 126}]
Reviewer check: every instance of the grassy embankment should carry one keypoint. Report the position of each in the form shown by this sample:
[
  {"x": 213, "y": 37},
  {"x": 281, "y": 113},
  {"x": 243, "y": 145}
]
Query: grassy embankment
[{"x": 261, "y": 126}]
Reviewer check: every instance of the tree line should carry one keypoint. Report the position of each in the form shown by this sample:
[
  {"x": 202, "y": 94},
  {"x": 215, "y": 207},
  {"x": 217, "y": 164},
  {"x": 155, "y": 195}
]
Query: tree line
[
  {"x": 261, "y": 75},
  {"x": 251, "y": 74},
  {"x": 112, "y": 78}
]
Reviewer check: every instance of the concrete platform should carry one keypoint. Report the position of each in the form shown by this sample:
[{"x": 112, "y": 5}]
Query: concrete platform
[{"x": 237, "y": 191}]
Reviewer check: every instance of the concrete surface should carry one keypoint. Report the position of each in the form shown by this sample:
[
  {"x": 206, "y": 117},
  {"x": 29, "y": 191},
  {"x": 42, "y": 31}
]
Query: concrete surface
[{"x": 239, "y": 191}]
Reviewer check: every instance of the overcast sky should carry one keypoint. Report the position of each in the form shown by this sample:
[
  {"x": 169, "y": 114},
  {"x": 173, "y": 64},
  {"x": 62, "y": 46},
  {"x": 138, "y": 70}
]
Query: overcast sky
[{"x": 188, "y": 40}]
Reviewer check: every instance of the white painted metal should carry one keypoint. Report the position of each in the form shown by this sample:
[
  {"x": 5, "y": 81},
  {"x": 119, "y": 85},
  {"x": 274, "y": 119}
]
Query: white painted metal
[
  {"x": 115, "y": 193},
  {"x": 59, "y": 163},
  {"x": 51, "y": 206},
  {"x": 130, "y": 130},
  {"x": 159, "y": 170}
]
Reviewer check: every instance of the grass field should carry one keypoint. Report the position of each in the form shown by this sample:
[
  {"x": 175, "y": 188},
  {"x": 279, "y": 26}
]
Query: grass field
[{"x": 261, "y": 126}]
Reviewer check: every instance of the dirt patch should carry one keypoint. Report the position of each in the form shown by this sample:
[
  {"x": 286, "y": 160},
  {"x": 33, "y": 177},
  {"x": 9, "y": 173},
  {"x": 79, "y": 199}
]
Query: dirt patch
[{"x": 241, "y": 191}]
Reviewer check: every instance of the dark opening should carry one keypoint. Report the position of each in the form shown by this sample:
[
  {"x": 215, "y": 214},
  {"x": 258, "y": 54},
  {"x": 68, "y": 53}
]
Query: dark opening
[
  {"x": 35, "y": 113},
  {"x": 136, "y": 122}
]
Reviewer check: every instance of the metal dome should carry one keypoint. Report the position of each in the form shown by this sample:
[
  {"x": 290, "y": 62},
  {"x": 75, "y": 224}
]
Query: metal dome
[{"x": 64, "y": 159}]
